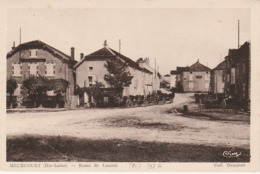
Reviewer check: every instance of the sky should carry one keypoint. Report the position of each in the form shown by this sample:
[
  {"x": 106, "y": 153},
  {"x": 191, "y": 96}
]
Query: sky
[{"x": 174, "y": 36}]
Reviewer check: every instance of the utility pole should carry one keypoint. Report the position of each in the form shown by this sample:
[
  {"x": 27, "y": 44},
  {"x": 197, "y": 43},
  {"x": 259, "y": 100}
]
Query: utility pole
[
  {"x": 155, "y": 67},
  {"x": 119, "y": 46},
  {"x": 238, "y": 33},
  {"x": 20, "y": 35},
  {"x": 20, "y": 38}
]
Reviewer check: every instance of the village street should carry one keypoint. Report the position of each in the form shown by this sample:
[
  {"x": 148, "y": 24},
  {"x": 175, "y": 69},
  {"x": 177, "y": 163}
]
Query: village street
[{"x": 151, "y": 123}]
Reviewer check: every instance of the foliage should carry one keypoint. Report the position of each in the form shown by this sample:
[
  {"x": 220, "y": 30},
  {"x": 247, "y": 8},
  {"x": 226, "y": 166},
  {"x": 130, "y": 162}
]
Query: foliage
[
  {"x": 36, "y": 84},
  {"x": 179, "y": 87},
  {"x": 97, "y": 92},
  {"x": 11, "y": 85},
  {"x": 118, "y": 77},
  {"x": 59, "y": 86}
]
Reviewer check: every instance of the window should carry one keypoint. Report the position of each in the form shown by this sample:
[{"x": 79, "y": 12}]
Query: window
[
  {"x": 191, "y": 76},
  {"x": 136, "y": 83},
  {"x": 206, "y": 86},
  {"x": 233, "y": 75},
  {"x": 198, "y": 77},
  {"x": 33, "y": 68},
  {"x": 191, "y": 85},
  {"x": 33, "y": 53},
  {"x": 16, "y": 69},
  {"x": 49, "y": 69},
  {"x": 106, "y": 99},
  {"x": 90, "y": 68},
  {"x": 223, "y": 78},
  {"x": 207, "y": 76},
  {"x": 228, "y": 78},
  {"x": 90, "y": 80}
]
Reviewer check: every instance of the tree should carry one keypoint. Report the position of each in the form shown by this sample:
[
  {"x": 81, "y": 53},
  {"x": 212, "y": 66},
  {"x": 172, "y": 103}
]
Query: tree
[
  {"x": 37, "y": 86},
  {"x": 118, "y": 77},
  {"x": 11, "y": 86},
  {"x": 179, "y": 86},
  {"x": 97, "y": 92},
  {"x": 59, "y": 86}
]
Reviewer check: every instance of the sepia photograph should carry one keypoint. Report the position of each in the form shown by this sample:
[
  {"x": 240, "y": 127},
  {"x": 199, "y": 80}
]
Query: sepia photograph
[{"x": 104, "y": 86}]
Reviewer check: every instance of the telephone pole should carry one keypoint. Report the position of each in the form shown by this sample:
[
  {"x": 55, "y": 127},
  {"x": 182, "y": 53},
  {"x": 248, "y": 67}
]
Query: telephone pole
[{"x": 238, "y": 34}]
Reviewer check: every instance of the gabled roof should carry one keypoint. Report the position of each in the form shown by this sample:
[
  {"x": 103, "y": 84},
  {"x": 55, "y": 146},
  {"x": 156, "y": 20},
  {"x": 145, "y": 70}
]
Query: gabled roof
[
  {"x": 173, "y": 72},
  {"x": 181, "y": 69},
  {"x": 37, "y": 44},
  {"x": 105, "y": 53},
  {"x": 221, "y": 66},
  {"x": 198, "y": 67}
]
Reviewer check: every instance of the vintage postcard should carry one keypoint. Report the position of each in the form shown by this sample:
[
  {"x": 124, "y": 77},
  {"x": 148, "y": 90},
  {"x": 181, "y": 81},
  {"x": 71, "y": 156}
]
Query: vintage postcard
[{"x": 130, "y": 86}]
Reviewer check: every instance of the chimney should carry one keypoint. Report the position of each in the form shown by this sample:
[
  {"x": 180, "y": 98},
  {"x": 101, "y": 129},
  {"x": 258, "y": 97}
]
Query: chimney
[
  {"x": 105, "y": 43},
  {"x": 146, "y": 60},
  {"x": 13, "y": 47},
  {"x": 72, "y": 52},
  {"x": 81, "y": 55}
]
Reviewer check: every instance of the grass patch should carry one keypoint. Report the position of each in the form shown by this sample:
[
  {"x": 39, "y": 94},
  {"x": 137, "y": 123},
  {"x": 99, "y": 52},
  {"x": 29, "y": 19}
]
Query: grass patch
[
  {"x": 55, "y": 149},
  {"x": 141, "y": 124}
]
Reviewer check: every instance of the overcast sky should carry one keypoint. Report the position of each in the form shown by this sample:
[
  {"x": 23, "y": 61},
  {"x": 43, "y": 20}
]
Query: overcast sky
[{"x": 175, "y": 37}]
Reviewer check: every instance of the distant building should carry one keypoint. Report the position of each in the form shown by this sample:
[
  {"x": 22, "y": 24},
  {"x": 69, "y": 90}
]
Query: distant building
[
  {"x": 166, "y": 82},
  {"x": 39, "y": 58},
  {"x": 91, "y": 69},
  {"x": 152, "y": 83},
  {"x": 173, "y": 78},
  {"x": 195, "y": 78},
  {"x": 217, "y": 80},
  {"x": 238, "y": 74}
]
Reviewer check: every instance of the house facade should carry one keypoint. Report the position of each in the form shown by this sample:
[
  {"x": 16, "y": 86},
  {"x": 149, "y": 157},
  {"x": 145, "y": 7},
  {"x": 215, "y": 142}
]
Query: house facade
[
  {"x": 91, "y": 69},
  {"x": 195, "y": 78},
  {"x": 38, "y": 58},
  {"x": 238, "y": 74},
  {"x": 217, "y": 80}
]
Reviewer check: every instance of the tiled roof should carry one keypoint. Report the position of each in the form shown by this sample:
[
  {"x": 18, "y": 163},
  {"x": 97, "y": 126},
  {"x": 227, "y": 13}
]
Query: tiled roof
[
  {"x": 173, "y": 72},
  {"x": 40, "y": 44},
  {"x": 181, "y": 69},
  {"x": 221, "y": 66},
  {"x": 198, "y": 67},
  {"x": 105, "y": 53}
]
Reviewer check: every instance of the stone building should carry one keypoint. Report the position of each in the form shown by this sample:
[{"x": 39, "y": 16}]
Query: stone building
[
  {"x": 91, "y": 69},
  {"x": 217, "y": 80},
  {"x": 238, "y": 74},
  {"x": 39, "y": 58},
  {"x": 194, "y": 78}
]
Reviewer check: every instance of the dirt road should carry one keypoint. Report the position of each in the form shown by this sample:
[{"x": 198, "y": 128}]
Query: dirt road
[{"x": 151, "y": 123}]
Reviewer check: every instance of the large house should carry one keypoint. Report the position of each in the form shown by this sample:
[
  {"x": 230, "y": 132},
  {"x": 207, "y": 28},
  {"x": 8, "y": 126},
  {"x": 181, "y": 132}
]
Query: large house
[
  {"x": 238, "y": 74},
  {"x": 91, "y": 69},
  {"x": 217, "y": 80},
  {"x": 195, "y": 78},
  {"x": 38, "y": 58}
]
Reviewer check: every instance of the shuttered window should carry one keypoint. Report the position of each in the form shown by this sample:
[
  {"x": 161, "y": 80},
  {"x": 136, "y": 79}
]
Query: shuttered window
[
  {"x": 16, "y": 69},
  {"x": 33, "y": 68},
  {"x": 50, "y": 69}
]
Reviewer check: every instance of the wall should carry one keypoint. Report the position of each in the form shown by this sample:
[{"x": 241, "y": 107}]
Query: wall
[
  {"x": 98, "y": 72},
  {"x": 192, "y": 84},
  {"x": 139, "y": 81},
  {"x": 60, "y": 67},
  {"x": 218, "y": 82}
]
